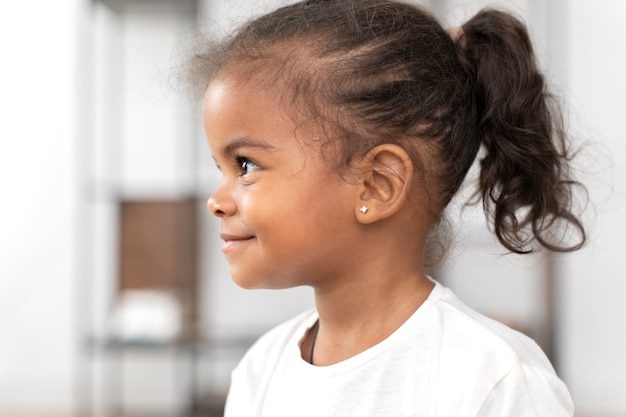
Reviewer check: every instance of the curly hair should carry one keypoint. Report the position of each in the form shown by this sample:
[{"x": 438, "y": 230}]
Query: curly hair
[{"x": 379, "y": 71}]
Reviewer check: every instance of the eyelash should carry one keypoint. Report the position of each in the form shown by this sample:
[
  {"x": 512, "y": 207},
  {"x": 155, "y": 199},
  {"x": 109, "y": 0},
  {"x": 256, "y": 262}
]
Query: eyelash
[{"x": 244, "y": 164}]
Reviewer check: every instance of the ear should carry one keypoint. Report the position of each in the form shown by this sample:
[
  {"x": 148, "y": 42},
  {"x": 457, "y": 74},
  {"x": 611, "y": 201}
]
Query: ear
[{"x": 386, "y": 175}]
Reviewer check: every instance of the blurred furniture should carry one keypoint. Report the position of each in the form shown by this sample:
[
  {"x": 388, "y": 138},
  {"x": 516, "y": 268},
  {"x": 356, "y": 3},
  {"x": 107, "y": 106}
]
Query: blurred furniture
[
  {"x": 155, "y": 310},
  {"x": 158, "y": 251}
]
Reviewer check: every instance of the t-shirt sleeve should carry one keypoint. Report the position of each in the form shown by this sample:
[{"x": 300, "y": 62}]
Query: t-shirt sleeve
[
  {"x": 527, "y": 392},
  {"x": 235, "y": 400}
]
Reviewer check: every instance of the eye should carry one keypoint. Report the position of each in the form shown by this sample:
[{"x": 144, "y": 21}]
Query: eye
[{"x": 246, "y": 165}]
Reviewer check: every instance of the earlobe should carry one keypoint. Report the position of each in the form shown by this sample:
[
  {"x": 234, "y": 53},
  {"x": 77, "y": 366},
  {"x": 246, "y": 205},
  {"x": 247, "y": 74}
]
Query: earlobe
[{"x": 387, "y": 175}]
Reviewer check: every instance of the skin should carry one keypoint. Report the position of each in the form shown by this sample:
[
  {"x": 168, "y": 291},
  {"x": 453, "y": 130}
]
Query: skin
[{"x": 289, "y": 219}]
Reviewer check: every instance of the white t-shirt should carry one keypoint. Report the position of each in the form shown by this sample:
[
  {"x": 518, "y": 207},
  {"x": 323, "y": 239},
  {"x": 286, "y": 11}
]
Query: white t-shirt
[{"x": 446, "y": 360}]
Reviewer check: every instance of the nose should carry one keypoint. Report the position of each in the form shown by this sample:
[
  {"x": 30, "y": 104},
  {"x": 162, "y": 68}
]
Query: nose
[{"x": 221, "y": 204}]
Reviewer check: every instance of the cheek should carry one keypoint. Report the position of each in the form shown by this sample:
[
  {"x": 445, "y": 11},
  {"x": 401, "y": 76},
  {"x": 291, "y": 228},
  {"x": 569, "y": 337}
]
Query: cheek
[
  {"x": 282, "y": 221},
  {"x": 265, "y": 201},
  {"x": 265, "y": 209}
]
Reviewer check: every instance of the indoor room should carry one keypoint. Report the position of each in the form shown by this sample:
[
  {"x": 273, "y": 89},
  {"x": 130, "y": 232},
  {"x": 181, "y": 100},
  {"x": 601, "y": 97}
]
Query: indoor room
[{"x": 115, "y": 298}]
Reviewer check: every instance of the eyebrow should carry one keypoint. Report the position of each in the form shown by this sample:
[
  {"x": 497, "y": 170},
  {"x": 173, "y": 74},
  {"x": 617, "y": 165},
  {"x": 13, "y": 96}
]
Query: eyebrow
[{"x": 233, "y": 146}]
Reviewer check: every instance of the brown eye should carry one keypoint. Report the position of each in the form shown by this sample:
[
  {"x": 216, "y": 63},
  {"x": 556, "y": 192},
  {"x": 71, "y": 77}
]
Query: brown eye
[{"x": 246, "y": 165}]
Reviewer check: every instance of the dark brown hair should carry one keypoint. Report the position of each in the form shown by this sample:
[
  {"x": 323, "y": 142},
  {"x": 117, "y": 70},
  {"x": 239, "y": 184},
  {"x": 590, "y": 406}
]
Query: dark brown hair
[{"x": 379, "y": 71}]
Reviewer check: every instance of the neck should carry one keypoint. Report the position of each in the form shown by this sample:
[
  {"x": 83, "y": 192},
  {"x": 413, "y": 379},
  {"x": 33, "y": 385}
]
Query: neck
[{"x": 353, "y": 318}]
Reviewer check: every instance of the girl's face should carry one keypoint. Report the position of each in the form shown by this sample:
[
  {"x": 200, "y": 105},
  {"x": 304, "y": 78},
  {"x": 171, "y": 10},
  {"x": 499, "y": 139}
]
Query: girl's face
[{"x": 287, "y": 218}]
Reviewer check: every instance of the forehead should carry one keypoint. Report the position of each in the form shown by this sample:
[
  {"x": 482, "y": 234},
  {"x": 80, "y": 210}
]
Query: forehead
[
  {"x": 236, "y": 110},
  {"x": 236, "y": 94}
]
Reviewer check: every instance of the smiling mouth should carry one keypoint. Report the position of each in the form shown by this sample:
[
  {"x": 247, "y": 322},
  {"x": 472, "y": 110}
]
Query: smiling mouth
[{"x": 232, "y": 243}]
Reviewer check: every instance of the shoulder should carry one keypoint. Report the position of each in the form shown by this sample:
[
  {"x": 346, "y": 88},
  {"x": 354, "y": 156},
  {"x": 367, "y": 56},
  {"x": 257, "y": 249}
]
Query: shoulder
[
  {"x": 505, "y": 368},
  {"x": 477, "y": 334}
]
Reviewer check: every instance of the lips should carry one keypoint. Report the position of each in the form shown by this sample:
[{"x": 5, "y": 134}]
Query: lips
[{"x": 233, "y": 242}]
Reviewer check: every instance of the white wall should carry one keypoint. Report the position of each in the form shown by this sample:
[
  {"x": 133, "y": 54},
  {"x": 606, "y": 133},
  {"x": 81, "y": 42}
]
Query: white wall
[
  {"x": 38, "y": 204},
  {"x": 594, "y": 282}
]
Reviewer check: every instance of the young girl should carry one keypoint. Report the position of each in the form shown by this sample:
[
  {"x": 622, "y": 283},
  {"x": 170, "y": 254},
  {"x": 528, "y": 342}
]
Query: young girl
[{"x": 342, "y": 129}]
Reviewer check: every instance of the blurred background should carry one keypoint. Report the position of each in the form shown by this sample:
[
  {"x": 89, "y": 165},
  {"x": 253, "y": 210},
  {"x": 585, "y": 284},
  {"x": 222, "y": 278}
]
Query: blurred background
[{"x": 114, "y": 297}]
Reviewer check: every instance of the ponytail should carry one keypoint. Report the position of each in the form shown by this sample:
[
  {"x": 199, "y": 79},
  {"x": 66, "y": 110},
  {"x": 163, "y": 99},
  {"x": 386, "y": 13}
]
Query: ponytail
[{"x": 524, "y": 180}]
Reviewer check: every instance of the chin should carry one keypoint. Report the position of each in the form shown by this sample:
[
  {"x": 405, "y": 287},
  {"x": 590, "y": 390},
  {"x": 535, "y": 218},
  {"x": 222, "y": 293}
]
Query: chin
[
  {"x": 247, "y": 281},
  {"x": 251, "y": 282}
]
